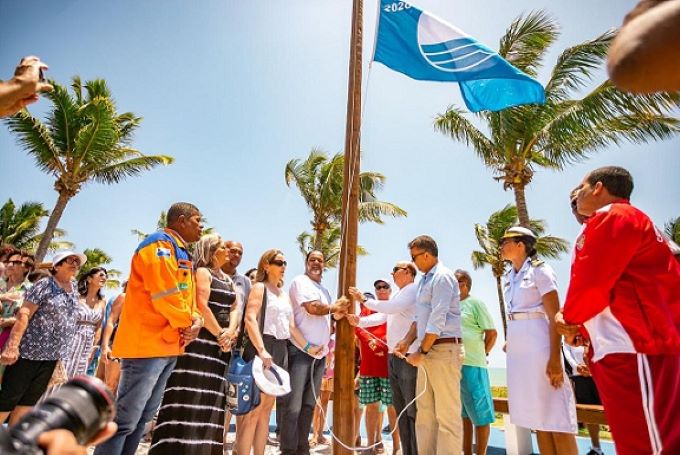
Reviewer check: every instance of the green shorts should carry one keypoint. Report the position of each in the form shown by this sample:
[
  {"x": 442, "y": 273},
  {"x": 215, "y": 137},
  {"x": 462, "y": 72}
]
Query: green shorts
[{"x": 372, "y": 389}]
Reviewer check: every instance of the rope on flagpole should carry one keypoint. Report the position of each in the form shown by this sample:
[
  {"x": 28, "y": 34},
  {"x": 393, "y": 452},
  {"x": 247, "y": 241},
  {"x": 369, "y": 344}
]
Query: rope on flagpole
[{"x": 396, "y": 422}]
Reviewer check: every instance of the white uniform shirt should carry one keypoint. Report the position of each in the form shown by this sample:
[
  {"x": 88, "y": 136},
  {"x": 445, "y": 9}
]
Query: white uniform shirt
[
  {"x": 315, "y": 329},
  {"x": 523, "y": 290},
  {"x": 401, "y": 312}
]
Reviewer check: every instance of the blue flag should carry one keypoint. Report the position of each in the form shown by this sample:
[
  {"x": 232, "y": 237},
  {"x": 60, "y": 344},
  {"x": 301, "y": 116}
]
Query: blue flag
[{"x": 424, "y": 47}]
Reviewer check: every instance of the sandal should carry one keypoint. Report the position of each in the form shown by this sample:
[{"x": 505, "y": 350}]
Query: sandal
[{"x": 380, "y": 448}]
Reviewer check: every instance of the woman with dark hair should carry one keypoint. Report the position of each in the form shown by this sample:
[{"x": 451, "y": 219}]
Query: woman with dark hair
[
  {"x": 191, "y": 416},
  {"x": 44, "y": 326},
  {"x": 539, "y": 393},
  {"x": 88, "y": 321},
  {"x": 270, "y": 343}
]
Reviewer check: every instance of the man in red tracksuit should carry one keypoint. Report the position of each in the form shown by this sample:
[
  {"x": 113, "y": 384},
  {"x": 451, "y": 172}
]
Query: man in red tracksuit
[{"x": 624, "y": 302}]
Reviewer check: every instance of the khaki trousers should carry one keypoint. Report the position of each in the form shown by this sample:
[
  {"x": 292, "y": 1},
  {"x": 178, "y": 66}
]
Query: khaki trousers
[{"x": 439, "y": 426}]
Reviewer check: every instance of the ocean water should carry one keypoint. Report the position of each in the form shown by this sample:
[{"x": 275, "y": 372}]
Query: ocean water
[{"x": 497, "y": 376}]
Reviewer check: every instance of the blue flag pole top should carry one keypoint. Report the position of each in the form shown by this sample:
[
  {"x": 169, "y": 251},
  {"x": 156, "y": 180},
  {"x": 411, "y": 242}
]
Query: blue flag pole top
[{"x": 423, "y": 47}]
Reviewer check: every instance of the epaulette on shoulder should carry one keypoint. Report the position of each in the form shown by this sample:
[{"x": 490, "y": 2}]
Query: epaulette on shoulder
[{"x": 535, "y": 262}]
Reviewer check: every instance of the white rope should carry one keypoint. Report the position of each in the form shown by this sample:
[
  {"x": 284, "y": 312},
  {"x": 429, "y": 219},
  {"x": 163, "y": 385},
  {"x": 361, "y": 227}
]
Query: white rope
[{"x": 396, "y": 423}]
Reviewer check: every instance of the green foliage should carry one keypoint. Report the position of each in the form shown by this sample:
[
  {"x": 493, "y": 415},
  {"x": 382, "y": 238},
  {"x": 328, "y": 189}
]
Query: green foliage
[
  {"x": 99, "y": 258},
  {"x": 672, "y": 229},
  {"x": 20, "y": 226},
  {"x": 319, "y": 178},
  {"x": 566, "y": 129},
  {"x": 489, "y": 238},
  {"x": 82, "y": 139}
]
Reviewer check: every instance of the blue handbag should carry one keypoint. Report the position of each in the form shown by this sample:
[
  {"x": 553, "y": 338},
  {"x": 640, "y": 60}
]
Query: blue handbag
[{"x": 243, "y": 395}]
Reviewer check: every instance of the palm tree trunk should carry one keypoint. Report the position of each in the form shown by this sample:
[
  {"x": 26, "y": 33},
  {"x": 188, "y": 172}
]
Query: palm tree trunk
[
  {"x": 318, "y": 239},
  {"x": 501, "y": 302},
  {"x": 52, "y": 223},
  {"x": 521, "y": 203}
]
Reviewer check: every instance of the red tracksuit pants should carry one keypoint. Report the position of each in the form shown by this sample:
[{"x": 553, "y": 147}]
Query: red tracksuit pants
[{"x": 641, "y": 398}]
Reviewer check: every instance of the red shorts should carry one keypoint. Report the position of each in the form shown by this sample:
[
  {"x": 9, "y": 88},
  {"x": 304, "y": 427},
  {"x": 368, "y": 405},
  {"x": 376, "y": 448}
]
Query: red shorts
[{"x": 641, "y": 398}]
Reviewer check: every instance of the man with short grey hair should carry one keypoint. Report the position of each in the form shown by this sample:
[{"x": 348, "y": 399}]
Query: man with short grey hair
[
  {"x": 437, "y": 330},
  {"x": 400, "y": 310}
]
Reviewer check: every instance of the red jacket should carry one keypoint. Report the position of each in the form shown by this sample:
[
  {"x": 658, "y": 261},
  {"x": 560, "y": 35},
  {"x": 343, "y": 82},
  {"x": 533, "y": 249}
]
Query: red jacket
[{"x": 625, "y": 285}]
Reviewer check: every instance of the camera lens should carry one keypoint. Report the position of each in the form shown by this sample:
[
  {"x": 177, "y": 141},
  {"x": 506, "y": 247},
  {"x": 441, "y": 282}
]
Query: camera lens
[{"x": 84, "y": 406}]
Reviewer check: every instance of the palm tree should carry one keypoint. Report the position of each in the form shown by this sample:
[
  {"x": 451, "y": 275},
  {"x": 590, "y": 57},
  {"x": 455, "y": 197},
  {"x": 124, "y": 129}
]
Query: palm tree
[
  {"x": 489, "y": 238},
  {"x": 320, "y": 179},
  {"x": 330, "y": 245},
  {"x": 99, "y": 258},
  {"x": 672, "y": 229},
  {"x": 20, "y": 226},
  {"x": 565, "y": 129},
  {"x": 84, "y": 139}
]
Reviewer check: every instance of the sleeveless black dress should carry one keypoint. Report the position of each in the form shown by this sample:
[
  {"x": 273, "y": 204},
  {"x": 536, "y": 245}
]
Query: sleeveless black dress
[{"x": 191, "y": 416}]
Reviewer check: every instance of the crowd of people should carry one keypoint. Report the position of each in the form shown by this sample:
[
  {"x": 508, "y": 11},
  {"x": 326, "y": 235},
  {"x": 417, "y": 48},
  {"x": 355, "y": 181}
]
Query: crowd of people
[{"x": 164, "y": 345}]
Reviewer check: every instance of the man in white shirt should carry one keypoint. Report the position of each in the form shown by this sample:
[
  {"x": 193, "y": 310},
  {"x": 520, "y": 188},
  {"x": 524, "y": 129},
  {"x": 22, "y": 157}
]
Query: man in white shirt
[
  {"x": 312, "y": 307},
  {"x": 400, "y": 310}
]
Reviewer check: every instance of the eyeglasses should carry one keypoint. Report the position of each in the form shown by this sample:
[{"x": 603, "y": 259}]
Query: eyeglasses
[
  {"x": 319, "y": 260},
  {"x": 414, "y": 256},
  {"x": 72, "y": 261},
  {"x": 17, "y": 262},
  {"x": 279, "y": 263},
  {"x": 382, "y": 286},
  {"x": 236, "y": 251},
  {"x": 396, "y": 269}
]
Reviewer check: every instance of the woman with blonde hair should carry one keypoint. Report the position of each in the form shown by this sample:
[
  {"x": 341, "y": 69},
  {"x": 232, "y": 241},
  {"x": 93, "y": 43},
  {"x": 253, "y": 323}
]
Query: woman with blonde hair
[
  {"x": 191, "y": 417},
  {"x": 271, "y": 344}
]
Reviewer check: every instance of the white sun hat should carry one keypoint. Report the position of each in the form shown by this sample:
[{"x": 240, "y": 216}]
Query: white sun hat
[
  {"x": 273, "y": 381},
  {"x": 61, "y": 255}
]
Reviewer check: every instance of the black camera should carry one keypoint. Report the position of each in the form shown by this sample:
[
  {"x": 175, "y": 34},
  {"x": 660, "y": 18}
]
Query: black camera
[{"x": 84, "y": 405}]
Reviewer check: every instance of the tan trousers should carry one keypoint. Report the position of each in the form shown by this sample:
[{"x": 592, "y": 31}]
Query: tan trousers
[{"x": 439, "y": 426}]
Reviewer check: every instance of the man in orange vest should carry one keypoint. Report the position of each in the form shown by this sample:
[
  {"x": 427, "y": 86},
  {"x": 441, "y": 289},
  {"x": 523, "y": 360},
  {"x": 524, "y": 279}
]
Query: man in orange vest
[{"x": 158, "y": 320}]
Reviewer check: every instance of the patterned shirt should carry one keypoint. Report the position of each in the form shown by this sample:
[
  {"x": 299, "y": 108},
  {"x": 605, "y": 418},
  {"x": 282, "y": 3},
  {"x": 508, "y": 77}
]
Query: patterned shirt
[{"x": 52, "y": 326}]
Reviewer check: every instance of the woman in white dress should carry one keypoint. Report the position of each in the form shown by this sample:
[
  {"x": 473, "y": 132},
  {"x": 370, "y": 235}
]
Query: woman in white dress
[{"x": 539, "y": 393}]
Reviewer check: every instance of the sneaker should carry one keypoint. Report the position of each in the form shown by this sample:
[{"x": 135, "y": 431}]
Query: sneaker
[
  {"x": 387, "y": 429},
  {"x": 272, "y": 441},
  {"x": 595, "y": 451}
]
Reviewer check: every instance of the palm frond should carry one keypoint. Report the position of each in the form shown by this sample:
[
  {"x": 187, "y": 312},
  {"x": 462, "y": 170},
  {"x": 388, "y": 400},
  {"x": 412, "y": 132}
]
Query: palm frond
[
  {"x": 527, "y": 39},
  {"x": 374, "y": 211},
  {"x": 575, "y": 66},
  {"x": 115, "y": 173},
  {"x": 34, "y": 137},
  {"x": 551, "y": 247},
  {"x": 454, "y": 124},
  {"x": 63, "y": 121}
]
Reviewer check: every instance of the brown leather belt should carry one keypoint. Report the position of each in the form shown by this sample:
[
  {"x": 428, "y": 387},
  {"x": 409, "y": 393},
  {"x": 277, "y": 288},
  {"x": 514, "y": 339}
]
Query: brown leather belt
[{"x": 455, "y": 340}]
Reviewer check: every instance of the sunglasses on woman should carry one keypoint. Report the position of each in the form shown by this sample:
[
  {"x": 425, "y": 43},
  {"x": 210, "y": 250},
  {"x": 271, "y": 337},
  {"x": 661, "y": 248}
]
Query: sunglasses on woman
[{"x": 279, "y": 263}]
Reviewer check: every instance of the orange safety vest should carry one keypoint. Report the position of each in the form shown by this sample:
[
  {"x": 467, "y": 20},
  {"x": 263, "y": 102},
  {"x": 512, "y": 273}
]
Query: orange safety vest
[{"x": 159, "y": 299}]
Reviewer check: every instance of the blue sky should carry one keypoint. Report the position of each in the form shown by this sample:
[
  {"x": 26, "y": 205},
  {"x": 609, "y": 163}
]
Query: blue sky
[{"x": 235, "y": 89}]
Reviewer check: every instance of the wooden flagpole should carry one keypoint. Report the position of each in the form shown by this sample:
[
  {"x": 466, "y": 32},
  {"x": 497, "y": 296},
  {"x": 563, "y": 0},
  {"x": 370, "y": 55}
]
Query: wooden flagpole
[{"x": 343, "y": 394}]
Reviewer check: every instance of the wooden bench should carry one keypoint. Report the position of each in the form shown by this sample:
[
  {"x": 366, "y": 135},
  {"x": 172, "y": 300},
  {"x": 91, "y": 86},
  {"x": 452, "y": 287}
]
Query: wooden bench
[{"x": 518, "y": 439}]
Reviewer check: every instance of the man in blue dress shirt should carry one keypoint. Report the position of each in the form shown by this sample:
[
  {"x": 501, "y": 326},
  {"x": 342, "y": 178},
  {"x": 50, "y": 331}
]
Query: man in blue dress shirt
[{"x": 440, "y": 354}]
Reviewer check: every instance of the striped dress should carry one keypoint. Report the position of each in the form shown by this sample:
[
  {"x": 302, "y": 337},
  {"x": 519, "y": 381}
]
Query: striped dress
[
  {"x": 191, "y": 416},
  {"x": 80, "y": 351}
]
